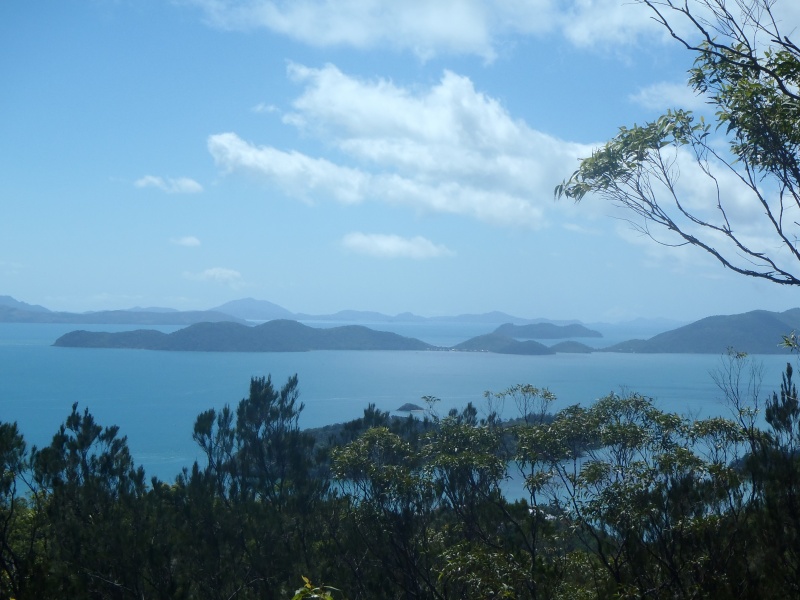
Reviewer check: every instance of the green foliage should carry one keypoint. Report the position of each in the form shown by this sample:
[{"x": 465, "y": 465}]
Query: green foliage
[
  {"x": 18, "y": 544},
  {"x": 618, "y": 499},
  {"x": 747, "y": 69},
  {"x": 636, "y": 152},
  {"x": 91, "y": 492}
]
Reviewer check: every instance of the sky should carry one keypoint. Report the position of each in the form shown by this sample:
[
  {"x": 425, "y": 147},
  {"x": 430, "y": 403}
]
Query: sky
[{"x": 339, "y": 154}]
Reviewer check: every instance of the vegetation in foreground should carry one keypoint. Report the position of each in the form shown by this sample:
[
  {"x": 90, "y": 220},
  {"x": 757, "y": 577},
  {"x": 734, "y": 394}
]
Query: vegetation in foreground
[{"x": 615, "y": 500}]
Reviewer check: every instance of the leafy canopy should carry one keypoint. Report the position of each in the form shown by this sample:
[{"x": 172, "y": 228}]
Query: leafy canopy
[{"x": 749, "y": 72}]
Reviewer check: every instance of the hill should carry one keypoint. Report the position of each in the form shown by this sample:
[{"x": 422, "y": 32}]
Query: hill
[
  {"x": 501, "y": 344},
  {"x": 755, "y": 332},
  {"x": 571, "y": 347},
  {"x": 273, "y": 336},
  {"x": 546, "y": 331},
  {"x": 7, "y": 302}
]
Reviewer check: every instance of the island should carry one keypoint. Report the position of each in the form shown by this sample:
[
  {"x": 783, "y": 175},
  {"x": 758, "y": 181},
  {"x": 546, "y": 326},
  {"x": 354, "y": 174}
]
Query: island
[
  {"x": 754, "y": 332},
  {"x": 546, "y": 331},
  {"x": 502, "y": 344},
  {"x": 273, "y": 336}
]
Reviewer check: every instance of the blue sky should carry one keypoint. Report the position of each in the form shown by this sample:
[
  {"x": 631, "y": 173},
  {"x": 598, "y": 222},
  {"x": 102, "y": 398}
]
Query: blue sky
[{"x": 329, "y": 155}]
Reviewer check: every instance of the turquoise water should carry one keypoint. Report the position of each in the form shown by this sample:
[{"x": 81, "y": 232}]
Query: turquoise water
[{"x": 155, "y": 396}]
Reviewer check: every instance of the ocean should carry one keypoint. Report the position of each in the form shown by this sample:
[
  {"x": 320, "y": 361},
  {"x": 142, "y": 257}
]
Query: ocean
[{"x": 154, "y": 397}]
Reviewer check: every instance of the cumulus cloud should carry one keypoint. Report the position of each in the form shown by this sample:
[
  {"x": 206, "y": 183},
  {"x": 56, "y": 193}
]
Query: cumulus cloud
[
  {"x": 394, "y": 246},
  {"x": 189, "y": 241},
  {"x": 296, "y": 173},
  {"x": 217, "y": 275},
  {"x": 179, "y": 185},
  {"x": 445, "y": 149}
]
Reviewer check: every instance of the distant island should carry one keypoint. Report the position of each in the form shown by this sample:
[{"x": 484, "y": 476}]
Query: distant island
[
  {"x": 502, "y": 344},
  {"x": 229, "y": 328},
  {"x": 409, "y": 407},
  {"x": 546, "y": 331},
  {"x": 283, "y": 335},
  {"x": 273, "y": 336},
  {"x": 756, "y": 332}
]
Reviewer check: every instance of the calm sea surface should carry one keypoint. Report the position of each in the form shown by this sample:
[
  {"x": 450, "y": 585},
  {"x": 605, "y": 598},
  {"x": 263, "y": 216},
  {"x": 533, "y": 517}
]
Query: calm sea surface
[{"x": 155, "y": 396}]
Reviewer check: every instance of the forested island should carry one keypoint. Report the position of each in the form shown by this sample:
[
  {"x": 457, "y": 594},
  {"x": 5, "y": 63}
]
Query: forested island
[
  {"x": 546, "y": 331},
  {"x": 272, "y": 336}
]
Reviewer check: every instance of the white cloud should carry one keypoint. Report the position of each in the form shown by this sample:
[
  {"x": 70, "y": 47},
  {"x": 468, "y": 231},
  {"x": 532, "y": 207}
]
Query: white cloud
[
  {"x": 217, "y": 275},
  {"x": 614, "y": 24},
  {"x": 459, "y": 27},
  {"x": 394, "y": 246},
  {"x": 179, "y": 185},
  {"x": 295, "y": 173},
  {"x": 453, "y": 26},
  {"x": 427, "y": 29},
  {"x": 263, "y": 107},
  {"x": 664, "y": 95},
  {"x": 446, "y": 149},
  {"x": 189, "y": 241}
]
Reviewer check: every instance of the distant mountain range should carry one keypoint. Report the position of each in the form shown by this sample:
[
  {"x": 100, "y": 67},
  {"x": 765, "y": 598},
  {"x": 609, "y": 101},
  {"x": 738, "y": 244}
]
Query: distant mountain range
[
  {"x": 755, "y": 332},
  {"x": 251, "y": 310},
  {"x": 112, "y": 317},
  {"x": 260, "y": 310},
  {"x": 12, "y": 304},
  {"x": 241, "y": 311}
]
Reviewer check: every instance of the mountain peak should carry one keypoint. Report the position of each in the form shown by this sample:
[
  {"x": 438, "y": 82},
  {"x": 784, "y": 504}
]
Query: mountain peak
[{"x": 16, "y": 304}]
